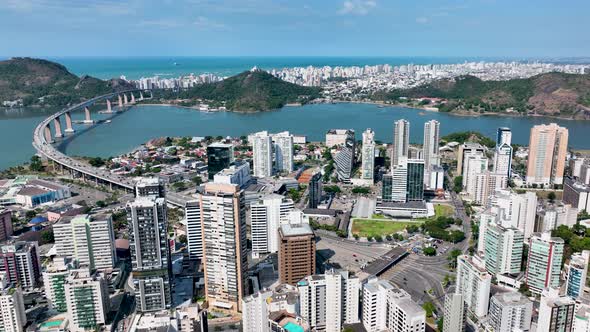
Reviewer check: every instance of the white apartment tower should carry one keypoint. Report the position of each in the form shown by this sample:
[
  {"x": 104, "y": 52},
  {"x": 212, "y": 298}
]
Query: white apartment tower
[
  {"x": 194, "y": 239},
  {"x": 473, "y": 283},
  {"x": 13, "y": 317},
  {"x": 577, "y": 272},
  {"x": 329, "y": 300},
  {"x": 368, "y": 156},
  {"x": 266, "y": 216},
  {"x": 401, "y": 141},
  {"x": 556, "y": 312},
  {"x": 223, "y": 218},
  {"x": 255, "y": 312},
  {"x": 503, "y": 152},
  {"x": 511, "y": 311},
  {"x": 262, "y": 154},
  {"x": 503, "y": 249},
  {"x": 87, "y": 300},
  {"x": 454, "y": 313},
  {"x": 87, "y": 238},
  {"x": 283, "y": 151},
  {"x": 430, "y": 148}
]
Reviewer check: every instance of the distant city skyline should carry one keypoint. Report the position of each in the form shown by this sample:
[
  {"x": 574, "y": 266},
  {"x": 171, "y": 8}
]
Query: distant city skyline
[{"x": 486, "y": 28}]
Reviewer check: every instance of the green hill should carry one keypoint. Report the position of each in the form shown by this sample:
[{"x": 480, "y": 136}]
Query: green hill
[
  {"x": 249, "y": 91},
  {"x": 545, "y": 94},
  {"x": 44, "y": 83}
]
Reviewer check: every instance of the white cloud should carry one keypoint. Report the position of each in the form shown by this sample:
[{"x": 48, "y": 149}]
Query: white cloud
[
  {"x": 422, "y": 20},
  {"x": 204, "y": 23},
  {"x": 357, "y": 7}
]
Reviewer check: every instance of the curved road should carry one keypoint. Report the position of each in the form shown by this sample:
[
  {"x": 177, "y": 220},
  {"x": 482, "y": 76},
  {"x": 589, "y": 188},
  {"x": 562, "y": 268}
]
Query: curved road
[{"x": 46, "y": 149}]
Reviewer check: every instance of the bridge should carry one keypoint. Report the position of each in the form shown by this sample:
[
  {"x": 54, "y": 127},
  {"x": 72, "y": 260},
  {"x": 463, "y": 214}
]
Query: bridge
[{"x": 43, "y": 138}]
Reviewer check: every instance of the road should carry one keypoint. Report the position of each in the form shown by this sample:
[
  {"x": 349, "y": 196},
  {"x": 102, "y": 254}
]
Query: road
[{"x": 350, "y": 255}]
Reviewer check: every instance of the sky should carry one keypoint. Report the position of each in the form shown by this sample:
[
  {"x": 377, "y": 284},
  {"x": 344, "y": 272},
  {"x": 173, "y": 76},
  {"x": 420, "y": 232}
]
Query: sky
[{"x": 485, "y": 28}]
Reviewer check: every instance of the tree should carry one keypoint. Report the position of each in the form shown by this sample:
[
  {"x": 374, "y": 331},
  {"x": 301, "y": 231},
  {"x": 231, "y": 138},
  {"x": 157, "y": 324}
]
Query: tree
[
  {"x": 429, "y": 251},
  {"x": 101, "y": 204},
  {"x": 36, "y": 164},
  {"x": 47, "y": 236},
  {"x": 458, "y": 184},
  {"x": 197, "y": 180},
  {"x": 30, "y": 214},
  {"x": 452, "y": 257},
  {"x": 429, "y": 308},
  {"x": 551, "y": 197},
  {"x": 182, "y": 239},
  {"x": 295, "y": 194}
]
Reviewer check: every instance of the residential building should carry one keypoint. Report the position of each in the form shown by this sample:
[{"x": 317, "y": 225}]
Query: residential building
[
  {"x": 266, "y": 216},
  {"x": 345, "y": 157},
  {"x": 386, "y": 308},
  {"x": 577, "y": 194},
  {"x": 255, "y": 312},
  {"x": 150, "y": 253},
  {"x": 194, "y": 230},
  {"x": 437, "y": 178},
  {"x": 283, "y": 152},
  {"x": 547, "y": 153},
  {"x": 223, "y": 217},
  {"x": 543, "y": 262},
  {"x": 327, "y": 301},
  {"x": 582, "y": 318},
  {"x": 238, "y": 174},
  {"x": 315, "y": 190},
  {"x": 90, "y": 239},
  {"x": 430, "y": 149},
  {"x": 336, "y": 137},
  {"x": 54, "y": 279},
  {"x": 262, "y": 155},
  {"x": 368, "y": 156},
  {"x": 466, "y": 149},
  {"x": 454, "y": 313},
  {"x": 20, "y": 260},
  {"x": 503, "y": 249},
  {"x": 556, "y": 312},
  {"x": 87, "y": 300},
  {"x": 503, "y": 152},
  {"x": 401, "y": 142},
  {"x": 219, "y": 156},
  {"x": 5, "y": 225},
  {"x": 296, "y": 252},
  {"x": 510, "y": 311},
  {"x": 261, "y": 309},
  {"x": 13, "y": 317},
  {"x": 475, "y": 165},
  {"x": 150, "y": 187},
  {"x": 473, "y": 283},
  {"x": 577, "y": 271},
  {"x": 192, "y": 318}
]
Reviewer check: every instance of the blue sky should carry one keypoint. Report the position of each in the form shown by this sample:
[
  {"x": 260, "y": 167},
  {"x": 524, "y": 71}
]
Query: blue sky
[{"x": 488, "y": 28}]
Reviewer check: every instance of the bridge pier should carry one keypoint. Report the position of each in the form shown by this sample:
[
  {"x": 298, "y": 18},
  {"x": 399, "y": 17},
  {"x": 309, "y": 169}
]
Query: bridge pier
[
  {"x": 109, "y": 109},
  {"x": 132, "y": 98},
  {"x": 140, "y": 95},
  {"x": 87, "y": 114},
  {"x": 57, "y": 125},
  {"x": 69, "y": 128},
  {"x": 125, "y": 100},
  {"x": 47, "y": 134},
  {"x": 120, "y": 101}
]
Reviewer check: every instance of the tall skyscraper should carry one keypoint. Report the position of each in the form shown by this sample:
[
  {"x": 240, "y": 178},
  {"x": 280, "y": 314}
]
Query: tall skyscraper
[
  {"x": 224, "y": 245},
  {"x": 20, "y": 260},
  {"x": 266, "y": 216},
  {"x": 556, "y": 312},
  {"x": 401, "y": 141},
  {"x": 523, "y": 212},
  {"x": 454, "y": 313},
  {"x": 315, "y": 190},
  {"x": 150, "y": 253},
  {"x": 510, "y": 311},
  {"x": 547, "y": 153},
  {"x": 13, "y": 317},
  {"x": 430, "y": 148},
  {"x": 503, "y": 152},
  {"x": 194, "y": 230},
  {"x": 399, "y": 182},
  {"x": 283, "y": 151},
  {"x": 474, "y": 164},
  {"x": 368, "y": 156},
  {"x": 473, "y": 283},
  {"x": 219, "y": 156},
  {"x": 577, "y": 271},
  {"x": 88, "y": 238},
  {"x": 345, "y": 158},
  {"x": 87, "y": 300},
  {"x": 54, "y": 279},
  {"x": 503, "y": 249},
  {"x": 466, "y": 149},
  {"x": 327, "y": 301},
  {"x": 543, "y": 262},
  {"x": 387, "y": 188},
  {"x": 415, "y": 180},
  {"x": 296, "y": 253},
  {"x": 262, "y": 154}
]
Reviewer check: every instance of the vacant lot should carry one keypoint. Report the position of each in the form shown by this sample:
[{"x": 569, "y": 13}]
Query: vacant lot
[{"x": 382, "y": 227}]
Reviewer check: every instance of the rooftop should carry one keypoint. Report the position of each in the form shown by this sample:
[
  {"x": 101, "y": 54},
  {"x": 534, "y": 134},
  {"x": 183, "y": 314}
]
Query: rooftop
[{"x": 296, "y": 230}]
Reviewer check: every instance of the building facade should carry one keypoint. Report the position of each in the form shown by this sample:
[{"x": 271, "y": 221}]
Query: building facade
[
  {"x": 543, "y": 262},
  {"x": 547, "y": 153},
  {"x": 296, "y": 253},
  {"x": 368, "y": 156}
]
